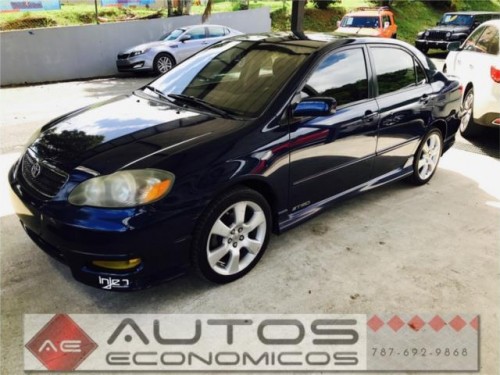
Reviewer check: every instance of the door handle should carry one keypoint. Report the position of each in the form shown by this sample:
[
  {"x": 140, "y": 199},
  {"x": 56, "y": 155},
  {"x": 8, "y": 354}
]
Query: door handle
[
  {"x": 424, "y": 99},
  {"x": 369, "y": 116}
]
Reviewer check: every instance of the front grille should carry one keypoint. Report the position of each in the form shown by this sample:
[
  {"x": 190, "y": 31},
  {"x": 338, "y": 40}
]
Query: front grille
[
  {"x": 436, "y": 35},
  {"x": 43, "y": 181},
  {"x": 123, "y": 56}
]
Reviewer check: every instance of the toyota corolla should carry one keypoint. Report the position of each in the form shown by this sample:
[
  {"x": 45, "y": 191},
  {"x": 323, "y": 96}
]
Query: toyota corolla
[{"x": 251, "y": 136}]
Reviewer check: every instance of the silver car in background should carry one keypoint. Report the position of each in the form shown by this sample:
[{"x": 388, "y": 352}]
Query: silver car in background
[{"x": 162, "y": 55}]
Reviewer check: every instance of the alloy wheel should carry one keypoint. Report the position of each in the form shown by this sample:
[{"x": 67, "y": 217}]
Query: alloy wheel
[
  {"x": 429, "y": 157},
  {"x": 236, "y": 238}
]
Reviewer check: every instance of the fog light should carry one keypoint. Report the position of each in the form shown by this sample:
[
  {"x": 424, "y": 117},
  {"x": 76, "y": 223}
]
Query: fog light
[
  {"x": 117, "y": 264},
  {"x": 138, "y": 65}
]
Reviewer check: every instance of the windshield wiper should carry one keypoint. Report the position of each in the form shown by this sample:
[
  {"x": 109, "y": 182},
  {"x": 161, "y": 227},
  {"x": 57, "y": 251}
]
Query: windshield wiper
[
  {"x": 157, "y": 92},
  {"x": 199, "y": 102}
]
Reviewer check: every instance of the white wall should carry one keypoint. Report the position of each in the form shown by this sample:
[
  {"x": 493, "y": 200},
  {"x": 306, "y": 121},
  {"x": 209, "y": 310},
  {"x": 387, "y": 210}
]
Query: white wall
[{"x": 65, "y": 53}]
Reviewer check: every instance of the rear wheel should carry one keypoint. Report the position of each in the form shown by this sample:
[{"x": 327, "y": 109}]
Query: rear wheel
[
  {"x": 467, "y": 126},
  {"x": 231, "y": 235},
  {"x": 163, "y": 63},
  {"x": 427, "y": 157}
]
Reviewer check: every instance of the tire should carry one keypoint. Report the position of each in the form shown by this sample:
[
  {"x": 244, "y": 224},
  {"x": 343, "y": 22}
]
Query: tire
[
  {"x": 468, "y": 128},
  {"x": 231, "y": 235},
  {"x": 162, "y": 63},
  {"x": 424, "y": 50},
  {"x": 427, "y": 157}
]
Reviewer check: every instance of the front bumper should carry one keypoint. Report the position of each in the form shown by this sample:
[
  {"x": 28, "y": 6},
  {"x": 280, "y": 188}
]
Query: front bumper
[
  {"x": 134, "y": 64},
  {"x": 439, "y": 44},
  {"x": 163, "y": 246}
]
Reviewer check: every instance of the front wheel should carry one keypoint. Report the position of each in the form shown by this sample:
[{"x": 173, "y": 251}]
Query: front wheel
[
  {"x": 427, "y": 157},
  {"x": 231, "y": 235},
  {"x": 162, "y": 63}
]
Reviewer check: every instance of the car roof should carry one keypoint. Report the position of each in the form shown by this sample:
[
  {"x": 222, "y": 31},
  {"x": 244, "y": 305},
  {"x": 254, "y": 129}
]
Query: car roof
[
  {"x": 368, "y": 13},
  {"x": 188, "y": 27},
  {"x": 492, "y": 22},
  {"x": 317, "y": 41},
  {"x": 472, "y": 13}
]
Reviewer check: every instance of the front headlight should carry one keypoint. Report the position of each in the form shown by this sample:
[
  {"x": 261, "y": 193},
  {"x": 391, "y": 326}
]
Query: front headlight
[
  {"x": 137, "y": 53},
  {"x": 426, "y": 34},
  {"x": 448, "y": 35},
  {"x": 123, "y": 189}
]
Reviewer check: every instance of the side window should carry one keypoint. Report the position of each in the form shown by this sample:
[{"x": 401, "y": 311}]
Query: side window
[
  {"x": 342, "y": 76},
  {"x": 488, "y": 41},
  {"x": 395, "y": 69},
  {"x": 215, "y": 31},
  {"x": 386, "y": 19},
  {"x": 470, "y": 44},
  {"x": 197, "y": 33}
]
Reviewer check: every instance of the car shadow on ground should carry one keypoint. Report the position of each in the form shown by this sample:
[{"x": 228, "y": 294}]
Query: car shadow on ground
[{"x": 487, "y": 142}]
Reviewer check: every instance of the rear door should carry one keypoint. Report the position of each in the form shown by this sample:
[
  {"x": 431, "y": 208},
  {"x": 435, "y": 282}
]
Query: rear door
[
  {"x": 403, "y": 96},
  {"x": 332, "y": 154}
]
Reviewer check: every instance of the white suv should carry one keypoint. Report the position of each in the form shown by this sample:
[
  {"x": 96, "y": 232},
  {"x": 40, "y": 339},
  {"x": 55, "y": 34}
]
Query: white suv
[{"x": 476, "y": 63}]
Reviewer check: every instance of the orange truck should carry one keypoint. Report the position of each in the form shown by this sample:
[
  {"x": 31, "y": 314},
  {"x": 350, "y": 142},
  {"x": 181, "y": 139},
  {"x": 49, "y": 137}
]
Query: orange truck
[{"x": 369, "y": 22}]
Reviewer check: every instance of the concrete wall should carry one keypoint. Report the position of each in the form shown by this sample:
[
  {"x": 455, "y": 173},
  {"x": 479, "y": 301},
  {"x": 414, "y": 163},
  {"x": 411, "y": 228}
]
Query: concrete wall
[{"x": 65, "y": 53}]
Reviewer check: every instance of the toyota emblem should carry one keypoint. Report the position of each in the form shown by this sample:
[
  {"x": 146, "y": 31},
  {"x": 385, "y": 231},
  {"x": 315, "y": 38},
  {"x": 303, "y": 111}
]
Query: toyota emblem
[{"x": 36, "y": 169}]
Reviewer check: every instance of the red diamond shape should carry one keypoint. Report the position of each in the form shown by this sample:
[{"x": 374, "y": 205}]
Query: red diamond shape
[
  {"x": 395, "y": 323},
  {"x": 474, "y": 323},
  {"x": 437, "y": 323},
  {"x": 375, "y": 323},
  {"x": 61, "y": 345},
  {"x": 457, "y": 323},
  {"x": 416, "y": 323}
]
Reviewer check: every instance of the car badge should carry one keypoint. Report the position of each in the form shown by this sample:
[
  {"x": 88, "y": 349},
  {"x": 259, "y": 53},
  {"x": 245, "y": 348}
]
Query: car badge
[{"x": 36, "y": 169}]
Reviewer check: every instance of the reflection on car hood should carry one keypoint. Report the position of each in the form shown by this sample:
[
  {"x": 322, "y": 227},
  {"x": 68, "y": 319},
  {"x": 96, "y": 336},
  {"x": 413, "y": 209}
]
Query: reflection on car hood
[
  {"x": 366, "y": 31},
  {"x": 112, "y": 134},
  {"x": 142, "y": 47}
]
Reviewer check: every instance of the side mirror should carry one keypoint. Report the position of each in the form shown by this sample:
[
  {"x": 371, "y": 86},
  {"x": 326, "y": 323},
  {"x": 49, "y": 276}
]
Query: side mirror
[
  {"x": 386, "y": 24},
  {"x": 184, "y": 38},
  {"x": 338, "y": 23},
  {"x": 315, "y": 106},
  {"x": 437, "y": 23},
  {"x": 453, "y": 46}
]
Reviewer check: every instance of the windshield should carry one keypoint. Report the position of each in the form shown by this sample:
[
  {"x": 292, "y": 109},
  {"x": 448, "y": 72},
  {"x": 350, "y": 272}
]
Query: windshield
[
  {"x": 239, "y": 77},
  {"x": 173, "y": 35},
  {"x": 456, "y": 20},
  {"x": 358, "y": 21}
]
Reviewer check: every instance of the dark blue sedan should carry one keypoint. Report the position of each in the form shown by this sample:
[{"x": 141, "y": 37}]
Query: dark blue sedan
[{"x": 251, "y": 136}]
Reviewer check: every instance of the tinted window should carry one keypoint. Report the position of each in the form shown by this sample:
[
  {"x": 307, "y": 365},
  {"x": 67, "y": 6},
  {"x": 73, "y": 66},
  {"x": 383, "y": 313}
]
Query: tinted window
[
  {"x": 198, "y": 33},
  {"x": 395, "y": 69},
  {"x": 215, "y": 31},
  {"x": 386, "y": 19},
  {"x": 456, "y": 20},
  {"x": 342, "y": 76},
  {"x": 350, "y": 21},
  {"x": 488, "y": 41},
  {"x": 241, "y": 77}
]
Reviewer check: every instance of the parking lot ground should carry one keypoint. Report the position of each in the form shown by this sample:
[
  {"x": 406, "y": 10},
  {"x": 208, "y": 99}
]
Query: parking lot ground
[{"x": 400, "y": 249}]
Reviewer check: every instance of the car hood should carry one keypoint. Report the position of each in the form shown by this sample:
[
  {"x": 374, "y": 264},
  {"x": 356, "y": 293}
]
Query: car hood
[
  {"x": 124, "y": 131},
  {"x": 455, "y": 29},
  {"x": 365, "y": 31},
  {"x": 142, "y": 47}
]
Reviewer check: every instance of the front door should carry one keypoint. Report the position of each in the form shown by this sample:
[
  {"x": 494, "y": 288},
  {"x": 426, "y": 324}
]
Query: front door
[{"x": 331, "y": 154}]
